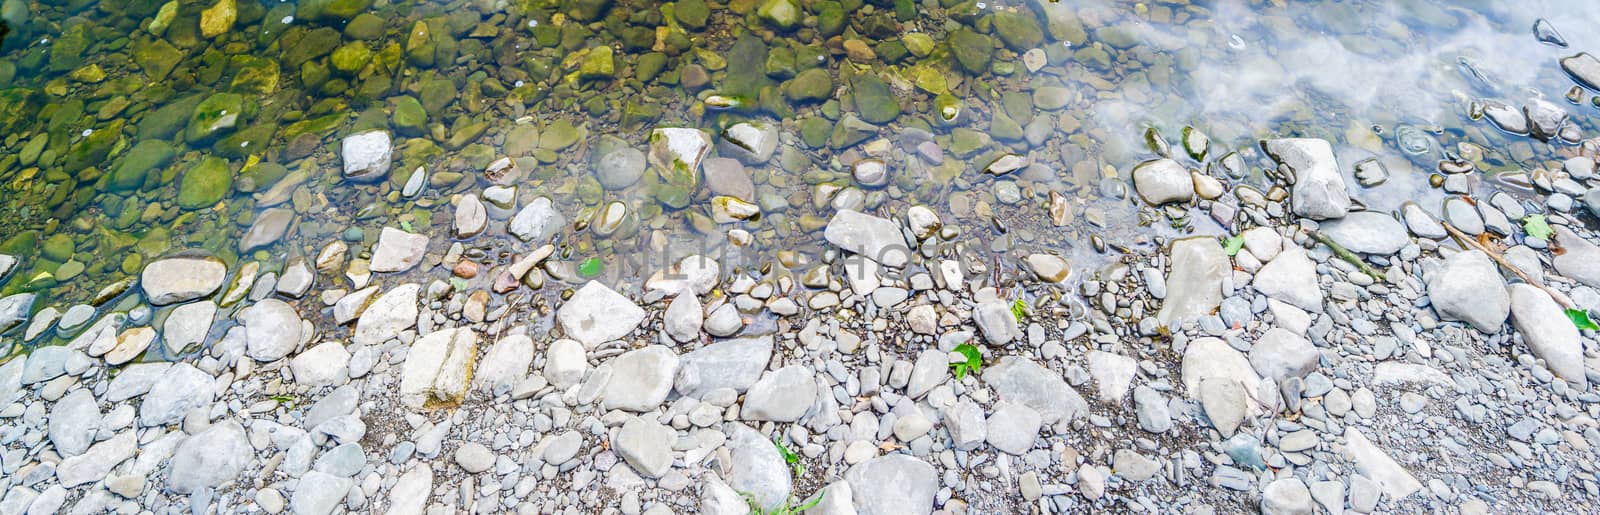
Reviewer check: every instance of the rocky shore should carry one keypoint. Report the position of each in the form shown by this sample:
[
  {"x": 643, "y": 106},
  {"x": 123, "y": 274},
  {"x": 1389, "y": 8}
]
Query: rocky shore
[
  {"x": 774, "y": 256},
  {"x": 1324, "y": 358}
]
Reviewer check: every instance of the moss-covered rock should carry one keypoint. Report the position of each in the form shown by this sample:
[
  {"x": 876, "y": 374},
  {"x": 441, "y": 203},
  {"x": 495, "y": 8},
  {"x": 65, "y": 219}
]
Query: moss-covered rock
[
  {"x": 204, "y": 184},
  {"x": 1019, "y": 30},
  {"x": 146, "y": 156},
  {"x": 972, "y": 50},
  {"x": 351, "y": 57},
  {"x": 874, "y": 100},
  {"x": 94, "y": 148},
  {"x": 409, "y": 117},
  {"x": 217, "y": 114},
  {"x": 811, "y": 85}
]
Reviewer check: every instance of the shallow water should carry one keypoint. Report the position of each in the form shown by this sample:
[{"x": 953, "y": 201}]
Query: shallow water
[{"x": 83, "y": 84}]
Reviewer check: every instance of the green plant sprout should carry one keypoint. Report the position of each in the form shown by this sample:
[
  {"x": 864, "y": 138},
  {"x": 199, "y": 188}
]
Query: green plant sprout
[{"x": 973, "y": 363}]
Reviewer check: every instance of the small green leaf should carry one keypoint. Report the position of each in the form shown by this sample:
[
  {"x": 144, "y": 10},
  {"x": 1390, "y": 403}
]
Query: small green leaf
[
  {"x": 589, "y": 268},
  {"x": 1536, "y": 227},
  {"x": 1019, "y": 309},
  {"x": 1580, "y": 318},
  {"x": 405, "y": 225},
  {"x": 458, "y": 283},
  {"x": 973, "y": 363},
  {"x": 1233, "y": 244},
  {"x": 811, "y": 503}
]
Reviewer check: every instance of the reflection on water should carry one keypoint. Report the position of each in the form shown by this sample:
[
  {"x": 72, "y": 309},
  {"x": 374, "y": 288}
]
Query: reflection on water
[{"x": 137, "y": 129}]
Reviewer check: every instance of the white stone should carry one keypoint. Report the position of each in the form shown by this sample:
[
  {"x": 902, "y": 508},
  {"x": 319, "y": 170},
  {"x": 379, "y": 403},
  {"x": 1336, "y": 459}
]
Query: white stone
[
  {"x": 596, "y": 314},
  {"x": 438, "y": 367}
]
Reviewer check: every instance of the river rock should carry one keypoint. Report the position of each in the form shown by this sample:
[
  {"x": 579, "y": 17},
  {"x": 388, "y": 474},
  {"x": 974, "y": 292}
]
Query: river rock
[
  {"x": 389, "y": 314},
  {"x": 438, "y": 368},
  {"x": 175, "y": 280},
  {"x": 367, "y": 156},
  {"x": 1580, "y": 260},
  {"x": 645, "y": 445},
  {"x": 734, "y": 364},
  {"x": 471, "y": 217},
  {"x": 15, "y": 310},
  {"x": 1367, "y": 232},
  {"x": 1319, "y": 190},
  {"x": 676, "y": 153},
  {"x": 189, "y": 325},
  {"x": 1469, "y": 288},
  {"x": 596, "y": 314},
  {"x": 1548, "y": 332},
  {"x": 640, "y": 379},
  {"x": 998, "y": 324},
  {"x": 73, "y": 422},
  {"x": 875, "y": 238},
  {"x": 1023, "y": 381},
  {"x": 781, "y": 396},
  {"x": 209, "y": 459},
  {"x": 267, "y": 229},
  {"x": 752, "y": 143},
  {"x": 1292, "y": 278},
  {"x": 896, "y": 484},
  {"x": 1280, "y": 355},
  {"x": 620, "y": 168},
  {"x": 272, "y": 329},
  {"x": 1161, "y": 181},
  {"x": 398, "y": 251},
  {"x": 181, "y": 388},
  {"x": 758, "y": 470},
  {"x": 1194, "y": 286},
  {"x": 1376, "y": 465},
  {"x": 537, "y": 221}
]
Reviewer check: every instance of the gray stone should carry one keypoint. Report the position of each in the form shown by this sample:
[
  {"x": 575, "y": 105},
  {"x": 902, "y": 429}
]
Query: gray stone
[
  {"x": 1280, "y": 355},
  {"x": 1150, "y": 407},
  {"x": 997, "y": 322},
  {"x": 388, "y": 315},
  {"x": 1469, "y": 288},
  {"x": 620, "y": 168},
  {"x": 94, "y": 464},
  {"x": 1421, "y": 222},
  {"x": 896, "y": 484},
  {"x": 1292, "y": 278},
  {"x": 931, "y": 369},
  {"x": 1548, "y": 332},
  {"x": 1161, "y": 181},
  {"x": 1319, "y": 189},
  {"x": 266, "y": 229},
  {"x": 506, "y": 363},
  {"x": 878, "y": 239},
  {"x": 640, "y": 379},
  {"x": 646, "y": 445},
  {"x": 209, "y": 459},
  {"x": 1580, "y": 260},
  {"x": 438, "y": 369},
  {"x": 1132, "y": 466},
  {"x": 1113, "y": 374},
  {"x": 319, "y": 493},
  {"x": 1012, "y": 428},
  {"x": 1287, "y": 497},
  {"x": 189, "y": 325},
  {"x": 272, "y": 329},
  {"x": 733, "y": 364},
  {"x": 723, "y": 321},
  {"x": 411, "y": 492},
  {"x": 560, "y": 448},
  {"x": 1373, "y": 463},
  {"x": 471, "y": 217},
  {"x": 758, "y": 469},
  {"x": 474, "y": 457},
  {"x": 596, "y": 314},
  {"x": 683, "y": 318},
  {"x": 565, "y": 363},
  {"x": 750, "y": 142},
  {"x": 326, "y": 363},
  {"x": 1368, "y": 232},
  {"x": 1023, "y": 381},
  {"x": 781, "y": 396},
  {"x": 398, "y": 251},
  {"x": 1213, "y": 359},
  {"x": 967, "y": 426},
  {"x": 174, "y": 280},
  {"x": 538, "y": 221},
  {"x": 367, "y": 156},
  {"x": 15, "y": 310},
  {"x": 181, "y": 388},
  {"x": 1194, "y": 287},
  {"x": 73, "y": 422}
]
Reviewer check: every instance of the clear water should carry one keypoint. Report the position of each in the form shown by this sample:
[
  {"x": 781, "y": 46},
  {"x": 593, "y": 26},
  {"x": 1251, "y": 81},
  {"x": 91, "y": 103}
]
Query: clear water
[{"x": 79, "y": 90}]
